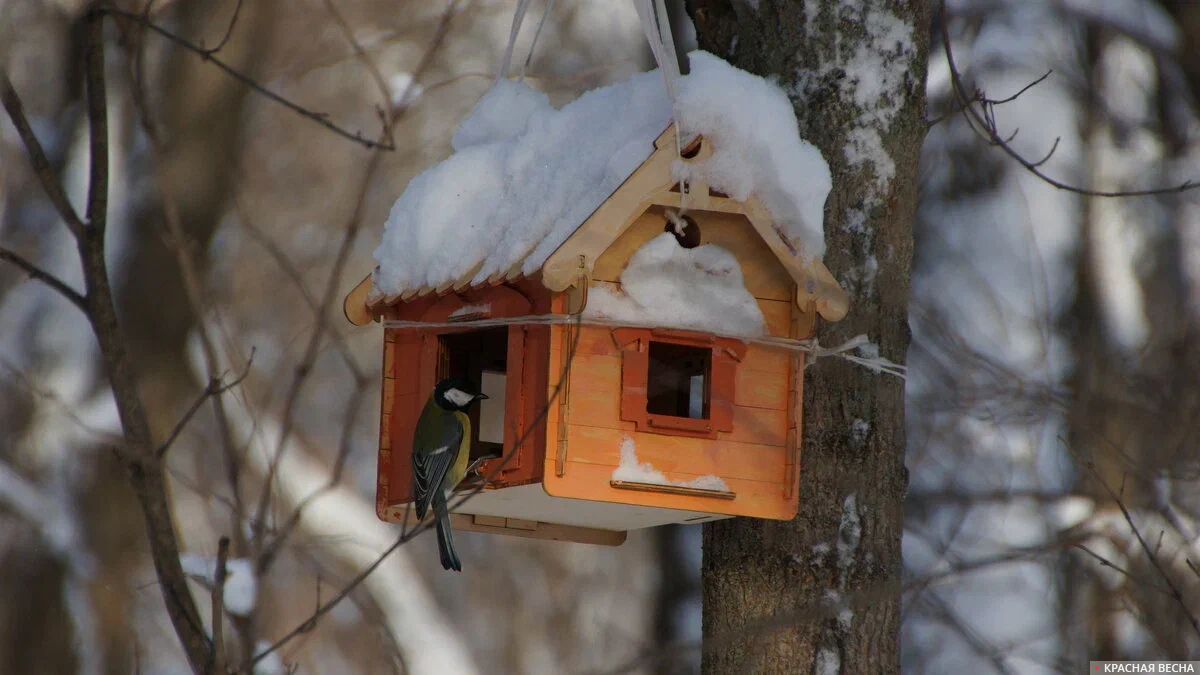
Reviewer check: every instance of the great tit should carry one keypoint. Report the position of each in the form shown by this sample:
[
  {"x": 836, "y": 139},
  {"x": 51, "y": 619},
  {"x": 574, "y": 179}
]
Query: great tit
[{"x": 441, "y": 451}]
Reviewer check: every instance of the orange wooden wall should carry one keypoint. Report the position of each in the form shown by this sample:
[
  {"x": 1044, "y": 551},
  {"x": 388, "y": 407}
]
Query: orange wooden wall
[
  {"x": 409, "y": 375},
  {"x": 757, "y": 460}
]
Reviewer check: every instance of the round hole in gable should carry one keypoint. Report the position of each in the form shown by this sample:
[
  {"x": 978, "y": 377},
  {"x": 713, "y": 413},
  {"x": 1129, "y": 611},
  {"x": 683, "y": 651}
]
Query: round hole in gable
[
  {"x": 692, "y": 149},
  {"x": 686, "y": 231}
]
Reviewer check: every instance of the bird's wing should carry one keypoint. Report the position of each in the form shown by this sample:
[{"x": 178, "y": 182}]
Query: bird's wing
[{"x": 433, "y": 454}]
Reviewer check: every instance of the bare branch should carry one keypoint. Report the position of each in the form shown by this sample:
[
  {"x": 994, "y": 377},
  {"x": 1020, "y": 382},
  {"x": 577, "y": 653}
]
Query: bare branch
[
  {"x": 144, "y": 467},
  {"x": 312, "y": 349},
  {"x": 979, "y": 97},
  {"x": 368, "y": 62},
  {"x": 1175, "y": 593},
  {"x": 176, "y": 240},
  {"x": 237, "y": 10},
  {"x": 1022, "y": 90},
  {"x": 217, "y": 662},
  {"x": 408, "y": 534},
  {"x": 45, "y": 277},
  {"x": 1049, "y": 154},
  {"x": 814, "y": 609},
  {"x": 984, "y": 124},
  {"x": 37, "y": 157},
  {"x": 96, "y": 97},
  {"x": 1105, "y": 562},
  {"x": 289, "y": 268},
  {"x": 353, "y": 405},
  {"x": 214, "y": 388},
  {"x": 319, "y": 118}
]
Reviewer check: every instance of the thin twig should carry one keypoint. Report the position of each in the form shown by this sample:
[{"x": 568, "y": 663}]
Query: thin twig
[
  {"x": 319, "y": 118},
  {"x": 45, "y": 277},
  {"x": 407, "y": 534},
  {"x": 217, "y": 662},
  {"x": 145, "y": 469},
  {"x": 984, "y": 124},
  {"x": 1174, "y": 590},
  {"x": 814, "y": 609},
  {"x": 214, "y": 388},
  {"x": 369, "y": 64},
  {"x": 353, "y": 407},
  {"x": 1104, "y": 562},
  {"x": 312, "y": 349},
  {"x": 37, "y": 157},
  {"x": 289, "y": 268},
  {"x": 237, "y": 10},
  {"x": 176, "y": 239},
  {"x": 96, "y": 95}
]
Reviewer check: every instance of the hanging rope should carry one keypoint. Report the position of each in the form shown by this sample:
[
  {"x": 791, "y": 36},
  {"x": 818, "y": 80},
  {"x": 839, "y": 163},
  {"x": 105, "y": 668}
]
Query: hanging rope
[
  {"x": 536, "y": 35},
  {"x": 808, "y": 346},
  {"x": 656, "y": 24},
  {"x": 518, "y": 19},
  {"x": 657, "y": 27}
]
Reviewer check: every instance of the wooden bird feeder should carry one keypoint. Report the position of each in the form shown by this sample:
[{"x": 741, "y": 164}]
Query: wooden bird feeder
[{"x": 559, "y": 441}]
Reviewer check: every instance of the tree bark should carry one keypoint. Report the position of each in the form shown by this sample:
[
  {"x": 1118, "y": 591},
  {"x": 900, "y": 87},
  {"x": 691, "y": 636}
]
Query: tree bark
[{"x": 821, "y": 593}]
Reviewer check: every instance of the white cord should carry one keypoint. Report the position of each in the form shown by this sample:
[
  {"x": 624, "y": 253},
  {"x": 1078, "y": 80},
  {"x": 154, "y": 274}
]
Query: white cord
[
  {"x": 809, "y": 346},
  {"x": 656, "y": 24},
  {"x": 536, "y": 35},
  {"x": 518, "y": 19}
]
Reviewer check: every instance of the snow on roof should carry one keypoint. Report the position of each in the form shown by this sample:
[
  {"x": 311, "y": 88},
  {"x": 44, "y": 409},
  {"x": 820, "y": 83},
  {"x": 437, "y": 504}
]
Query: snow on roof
[
  {"x": 669, "y": 286},
  {"x": 524, "y": 176}
]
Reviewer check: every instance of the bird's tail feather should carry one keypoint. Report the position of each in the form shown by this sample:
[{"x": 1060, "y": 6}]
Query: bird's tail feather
[{"x": 445, "y": 539}]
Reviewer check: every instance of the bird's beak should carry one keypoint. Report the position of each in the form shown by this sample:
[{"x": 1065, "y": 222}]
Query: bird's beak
[{"x": 480, "y": 397}]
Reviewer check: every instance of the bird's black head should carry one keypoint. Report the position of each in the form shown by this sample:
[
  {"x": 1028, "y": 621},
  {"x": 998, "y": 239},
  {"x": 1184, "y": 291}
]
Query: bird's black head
[{"x": 455, "y": 393}]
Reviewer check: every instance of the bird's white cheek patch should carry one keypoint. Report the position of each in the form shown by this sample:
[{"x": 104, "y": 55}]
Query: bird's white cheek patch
[{"x": 458, "y": 397}]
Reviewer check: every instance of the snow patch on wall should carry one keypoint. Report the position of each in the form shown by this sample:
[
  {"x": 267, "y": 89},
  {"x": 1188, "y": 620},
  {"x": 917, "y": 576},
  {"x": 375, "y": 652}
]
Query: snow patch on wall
[
  {"x": 666, "y": 285},
  {"x": 524, "y": 176},
  {"x": 633, "y": 471}
]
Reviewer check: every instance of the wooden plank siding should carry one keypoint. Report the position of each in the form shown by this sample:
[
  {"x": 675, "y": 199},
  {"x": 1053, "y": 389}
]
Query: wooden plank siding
[{"x": 757, "y": 459}]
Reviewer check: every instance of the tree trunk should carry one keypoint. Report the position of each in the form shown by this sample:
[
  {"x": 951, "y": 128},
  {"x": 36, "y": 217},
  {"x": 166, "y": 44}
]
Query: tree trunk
[{"x": 821, "y": 593}]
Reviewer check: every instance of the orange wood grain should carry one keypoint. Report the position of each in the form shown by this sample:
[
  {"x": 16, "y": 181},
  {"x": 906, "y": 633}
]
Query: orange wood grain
[
  {"x": 766, "y": 359},
  {"x": 758, "y": 425},
  {"x": 596, "y": 391},
  {"x": 411, "y": 359},
  {"x": 680, "y": 457},
  {"x": 756, "y": 499},
  {"x": 778, "y": 316},
  {"x": 518, "y": 528},
  {"x": 596, "y": 340},
  {"x": 762, "y": 389}
]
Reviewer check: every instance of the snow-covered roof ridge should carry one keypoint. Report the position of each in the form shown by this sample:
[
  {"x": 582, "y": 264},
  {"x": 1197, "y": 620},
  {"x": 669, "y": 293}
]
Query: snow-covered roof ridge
[{"x": 525, "y": 176}]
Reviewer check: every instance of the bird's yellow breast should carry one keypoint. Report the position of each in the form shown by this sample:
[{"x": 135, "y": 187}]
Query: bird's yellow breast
[{"x": 459, "y": 468}]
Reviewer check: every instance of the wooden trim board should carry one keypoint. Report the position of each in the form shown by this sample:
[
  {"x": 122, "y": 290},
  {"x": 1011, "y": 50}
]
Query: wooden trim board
[{"x": 529, "y": 529}]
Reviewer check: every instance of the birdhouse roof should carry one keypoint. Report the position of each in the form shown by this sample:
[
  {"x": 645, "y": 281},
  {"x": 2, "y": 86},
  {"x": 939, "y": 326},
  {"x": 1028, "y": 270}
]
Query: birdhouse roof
[{"x": 533, "y": 190}]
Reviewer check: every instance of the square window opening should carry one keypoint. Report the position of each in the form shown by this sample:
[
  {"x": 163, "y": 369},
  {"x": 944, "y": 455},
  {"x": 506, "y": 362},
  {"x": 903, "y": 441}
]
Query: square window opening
[
  {"x": 481, "y": 358},
  {"x": 678, "y": 383}
]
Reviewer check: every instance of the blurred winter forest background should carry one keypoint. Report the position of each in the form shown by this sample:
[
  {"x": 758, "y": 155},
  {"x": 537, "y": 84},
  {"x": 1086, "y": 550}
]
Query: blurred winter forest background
[{"x": 1054, "y": 376}]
